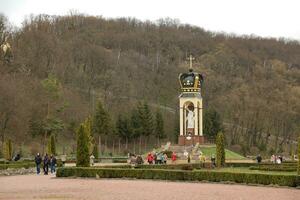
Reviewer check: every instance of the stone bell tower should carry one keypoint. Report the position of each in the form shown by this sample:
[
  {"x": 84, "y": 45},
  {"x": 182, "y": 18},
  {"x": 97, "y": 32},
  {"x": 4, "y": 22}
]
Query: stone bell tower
[{"x": 191, "y": 109}]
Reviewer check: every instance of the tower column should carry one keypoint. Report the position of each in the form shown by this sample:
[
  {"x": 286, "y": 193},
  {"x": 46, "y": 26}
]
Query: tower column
[
  {"x": 200, "y": 118},
  {"x": 181, "y": 121},
  {"x": 196, "y": 119}
]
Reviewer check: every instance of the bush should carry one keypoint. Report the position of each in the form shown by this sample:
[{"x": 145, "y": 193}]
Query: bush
[
  {"x": 220, "y": 150},
  {"x": 183, "y": 175}
]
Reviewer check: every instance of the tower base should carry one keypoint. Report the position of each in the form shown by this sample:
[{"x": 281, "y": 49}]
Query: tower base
[{"x": 182, "y": 140}]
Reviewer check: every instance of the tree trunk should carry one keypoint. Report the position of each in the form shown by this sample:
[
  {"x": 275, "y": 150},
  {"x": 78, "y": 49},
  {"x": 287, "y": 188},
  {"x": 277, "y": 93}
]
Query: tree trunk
[
  {"x": 145, "y": 145},
  {"x": 134, "y": 145},
  {"x": 44, "y": 142},
  {"x": 126, "y": 143},
  {"x": 99, "y": 145},
  {"x": 105, "y": 148},
  {"x": 113, "y": 149},
  {"x": 140, "y": 145}
]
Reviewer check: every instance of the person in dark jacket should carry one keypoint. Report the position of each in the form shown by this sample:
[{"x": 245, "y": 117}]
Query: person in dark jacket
[
  {"x": 52, "y": 163},
  {"x": 17, "y": 157},
  {"x": 46, "y": 164},
  {"x": 38, "y": 161},
  {"x": 259, "y": 158}
]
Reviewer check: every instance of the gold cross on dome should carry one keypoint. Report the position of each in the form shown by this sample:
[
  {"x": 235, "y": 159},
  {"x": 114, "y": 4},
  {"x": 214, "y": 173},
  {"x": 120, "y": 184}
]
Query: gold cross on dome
[{"x": 191, "y": 58}]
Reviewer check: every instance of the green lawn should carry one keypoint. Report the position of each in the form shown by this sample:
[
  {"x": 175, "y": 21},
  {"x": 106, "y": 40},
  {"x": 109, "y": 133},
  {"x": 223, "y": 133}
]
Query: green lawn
[
  {"x": 247, "y": 170},
  {"x": 208, "y": 151}
]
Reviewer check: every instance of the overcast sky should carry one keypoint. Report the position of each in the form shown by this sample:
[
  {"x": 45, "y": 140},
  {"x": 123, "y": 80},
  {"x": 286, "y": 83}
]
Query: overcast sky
[{"x": 275, "y": 18}]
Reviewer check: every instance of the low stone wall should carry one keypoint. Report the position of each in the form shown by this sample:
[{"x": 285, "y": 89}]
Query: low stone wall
[{"x": 20, "y": 171}]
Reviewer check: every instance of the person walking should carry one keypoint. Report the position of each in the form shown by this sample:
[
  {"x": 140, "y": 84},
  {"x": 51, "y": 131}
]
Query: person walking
[
  {"x": 213, "y": 161},
  {"x": 150, "y": 158},
  {"x": 174, "y": 157},
  {"x": 38, "y": 161},
  {"x": 165, "y": 158},
  {"x": 258, "y": 158},
  {"x": 52, "y": 164},
  {"x": 189, "y": 158},
  {"x": 155, "y": 158},
  {"x": 46, "y": 164}
]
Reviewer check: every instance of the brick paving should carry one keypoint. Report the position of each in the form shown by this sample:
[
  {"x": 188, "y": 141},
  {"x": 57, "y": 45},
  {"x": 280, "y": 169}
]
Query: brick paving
[{"x": 48, "y": 187}]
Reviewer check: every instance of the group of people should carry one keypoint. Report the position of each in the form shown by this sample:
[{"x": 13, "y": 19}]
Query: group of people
[
  {"x": 159, "y": 158},
  {"x": 135, "y": 159},
  {"x": 276, "y": 159},
  {"x": 46, "y": 161}
]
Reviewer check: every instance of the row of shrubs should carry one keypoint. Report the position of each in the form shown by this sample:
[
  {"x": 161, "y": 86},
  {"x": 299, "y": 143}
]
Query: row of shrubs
[
  {"x": 258, "y": 164},
  {"x": 281, "y": 168},
  {"x": 191, "y": 166},
  {"x": 181, "y": 175}
]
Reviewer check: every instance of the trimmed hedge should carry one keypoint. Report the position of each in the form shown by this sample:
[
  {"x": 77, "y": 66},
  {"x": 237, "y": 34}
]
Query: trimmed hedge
[
  {"x": 258, "y": 164},
  {"x": 274, "y": 168},
  {"x": 182, "y": 175}
]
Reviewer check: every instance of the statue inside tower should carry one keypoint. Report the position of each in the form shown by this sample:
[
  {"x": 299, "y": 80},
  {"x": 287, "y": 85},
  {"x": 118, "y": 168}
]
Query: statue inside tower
[{"x": 190, "y": 119}]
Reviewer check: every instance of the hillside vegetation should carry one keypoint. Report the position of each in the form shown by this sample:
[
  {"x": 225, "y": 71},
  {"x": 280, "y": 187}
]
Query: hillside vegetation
[{"x": 252, "y": 82}]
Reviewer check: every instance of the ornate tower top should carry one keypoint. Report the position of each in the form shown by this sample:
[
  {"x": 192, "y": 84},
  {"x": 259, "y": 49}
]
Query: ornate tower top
[{"x": 191, "y": 82}]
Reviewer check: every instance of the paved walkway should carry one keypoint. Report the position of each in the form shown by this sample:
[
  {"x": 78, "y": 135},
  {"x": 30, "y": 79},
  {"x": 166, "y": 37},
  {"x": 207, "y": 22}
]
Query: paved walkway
[{"x": 49, "y": 187}]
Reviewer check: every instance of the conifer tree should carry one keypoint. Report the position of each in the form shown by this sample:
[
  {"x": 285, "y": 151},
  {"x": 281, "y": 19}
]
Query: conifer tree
[
  {"x": 123, "y": 129},
  {"x": 53, "y": 145},
  {"x": 212, "y": 123},
  {"x": 220, "y": 149},
  {"x": 136, "y": 128},
  {"x": 101, "y": 122},
  {"x": 88, "y": 128},
  {"x": 147, "y": 120},
  {"x": 83, "y": 159},
  {"x": 159, "y": 127}
]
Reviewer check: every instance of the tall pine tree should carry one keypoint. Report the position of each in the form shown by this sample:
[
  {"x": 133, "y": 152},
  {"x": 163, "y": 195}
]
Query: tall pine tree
[
  {"x": 123, "y": 129},
  {"x": 147, "y": 123},
  {"x": 101, "y": 122},
  {"x": 82, "y": 158},
  {"x": 136, "y": 127},
  {"x": 220, "y": 149},
  {"x": 212, "y": 123}
]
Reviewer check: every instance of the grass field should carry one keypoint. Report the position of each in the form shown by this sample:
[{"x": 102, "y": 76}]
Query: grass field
[{"x": 208, "y": 151}]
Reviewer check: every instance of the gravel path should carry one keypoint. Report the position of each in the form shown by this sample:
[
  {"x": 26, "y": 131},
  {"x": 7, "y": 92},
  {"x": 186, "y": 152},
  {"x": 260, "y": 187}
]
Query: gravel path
[{"x": 49, "y": 187}]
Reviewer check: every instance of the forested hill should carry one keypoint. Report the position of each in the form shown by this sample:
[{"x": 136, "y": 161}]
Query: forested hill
[{"x": 254, "y": 83}]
